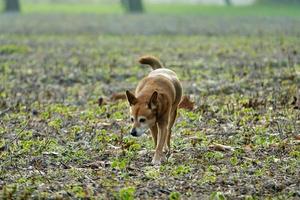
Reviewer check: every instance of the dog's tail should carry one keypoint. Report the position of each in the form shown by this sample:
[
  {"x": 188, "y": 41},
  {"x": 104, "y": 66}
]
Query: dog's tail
[{"x": 152, "y": 61}]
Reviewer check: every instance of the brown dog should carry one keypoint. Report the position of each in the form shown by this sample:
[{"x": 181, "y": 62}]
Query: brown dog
[{"x": 154, "y": 105}]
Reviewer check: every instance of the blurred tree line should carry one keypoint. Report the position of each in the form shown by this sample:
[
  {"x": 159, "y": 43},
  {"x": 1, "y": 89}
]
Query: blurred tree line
[
  {"x": 279, "y": 1},
  {"x": 12, "y": 5},
  {"x": 129, "y": 5},
  {"x": 136, "y": 6}
]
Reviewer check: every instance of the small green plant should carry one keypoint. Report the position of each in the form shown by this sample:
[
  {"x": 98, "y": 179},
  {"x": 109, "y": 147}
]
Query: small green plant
[
  {"x": 56, "y": 123},
  {"x": 234, "y": 160},
  {"x": 10, "y": 49},
  {"x": 174, "y": 196},
  {"x": 181, "y": 170},
  {"x": 208, "y": 177},
  {"x": 295, "y": 154},
  {"x": 135, "y": 147},
  {"x": 265, "y": 140},
  {"x": 151, "y": 172},
  {"x": 213, "y": 155},
  {"x": 87, "y": 115},
  {"x": 126, "y": 193},
  {"x": 46, "y": 115},
  {"x": 249, "y": 197},
  {"x": 117, "y": 116},
  {"x": 78, "y": 191},
  {"x": 217, "y": 196},
  {"x": 119, "y": 163},
  {"x": 190, "y": 116}
]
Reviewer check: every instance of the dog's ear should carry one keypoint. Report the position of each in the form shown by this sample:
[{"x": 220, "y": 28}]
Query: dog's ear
[
  {"x": 131, "y": 98},
  {"x": 153, "y": 101}
]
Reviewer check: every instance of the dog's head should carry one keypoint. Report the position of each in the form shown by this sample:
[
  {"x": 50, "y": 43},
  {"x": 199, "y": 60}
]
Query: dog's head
[{"x": 142, "y": 113}]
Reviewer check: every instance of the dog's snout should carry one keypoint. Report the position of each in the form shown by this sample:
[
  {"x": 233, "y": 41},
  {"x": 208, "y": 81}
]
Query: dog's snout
[{"x": 133, "y": 132}]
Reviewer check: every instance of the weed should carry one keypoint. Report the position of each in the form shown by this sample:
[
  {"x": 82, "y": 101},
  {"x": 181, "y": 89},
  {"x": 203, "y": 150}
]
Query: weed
[
  {"x": 174, "y": 196},
  {"x": 126, "y": 193}
]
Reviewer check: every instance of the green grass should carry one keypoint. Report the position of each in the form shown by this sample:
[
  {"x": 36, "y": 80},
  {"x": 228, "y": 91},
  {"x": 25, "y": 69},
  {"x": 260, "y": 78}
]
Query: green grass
[
  {"x": 72, "y": 8},
  {"x": 255, "y": 10},
  {"x": 173, "y": 9}
]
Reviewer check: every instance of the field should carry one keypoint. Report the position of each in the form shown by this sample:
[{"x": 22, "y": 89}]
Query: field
[
  {"x": 58, "y": 142},
  {"x": 114, "y": 7}
]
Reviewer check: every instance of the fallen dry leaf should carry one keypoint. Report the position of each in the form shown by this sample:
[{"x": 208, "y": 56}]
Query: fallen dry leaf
[
  {"x": 97, "y": 164},
  {"x": 248, "y": 148},
  {"x": 102, "y": 101},
  {"x": 186, "y": 103},
  {"x": 296, "y": 101},
  {"x": 220, "y": 147},
  {"x": 114, "y": 147},
  {"x": 194, "y": 140},
  {"x": 254, "y": 103},
  {"x": 104, "y": 124},
  {"x": 118, "y": 96}
]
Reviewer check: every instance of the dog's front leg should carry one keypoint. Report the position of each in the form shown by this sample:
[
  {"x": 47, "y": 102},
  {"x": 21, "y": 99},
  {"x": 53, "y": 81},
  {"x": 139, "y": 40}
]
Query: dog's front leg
[
  {"x": 162, "y": 135},
  {"x": 154, "y": 133}
]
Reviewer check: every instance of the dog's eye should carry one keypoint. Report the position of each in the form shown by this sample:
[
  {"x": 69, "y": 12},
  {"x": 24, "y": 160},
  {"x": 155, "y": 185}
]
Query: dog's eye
[
  {"x": 142, "y": 120},
  {"x": 131, "y": 119}
]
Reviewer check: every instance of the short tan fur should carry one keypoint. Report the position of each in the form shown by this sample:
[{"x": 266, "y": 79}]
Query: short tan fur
[{"x": 154, "y": 105}]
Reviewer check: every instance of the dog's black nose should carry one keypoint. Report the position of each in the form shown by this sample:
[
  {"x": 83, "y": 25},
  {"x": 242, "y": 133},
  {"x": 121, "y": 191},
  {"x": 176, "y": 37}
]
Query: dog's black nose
[{"x": 133, "y": 132}]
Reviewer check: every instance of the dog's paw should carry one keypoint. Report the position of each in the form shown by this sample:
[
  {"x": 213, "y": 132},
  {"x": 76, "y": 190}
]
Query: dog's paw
[
  {"x": 167, "y": 150},
  {"x": 157, "y": 160}
]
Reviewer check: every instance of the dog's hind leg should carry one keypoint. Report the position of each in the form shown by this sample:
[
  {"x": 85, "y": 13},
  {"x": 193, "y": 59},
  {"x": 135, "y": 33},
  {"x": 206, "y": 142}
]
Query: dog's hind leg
[
  {"x": 171, "y": 123},
  {"x": 159, "y": 157},
  {"x": 154, "y": 132}
]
